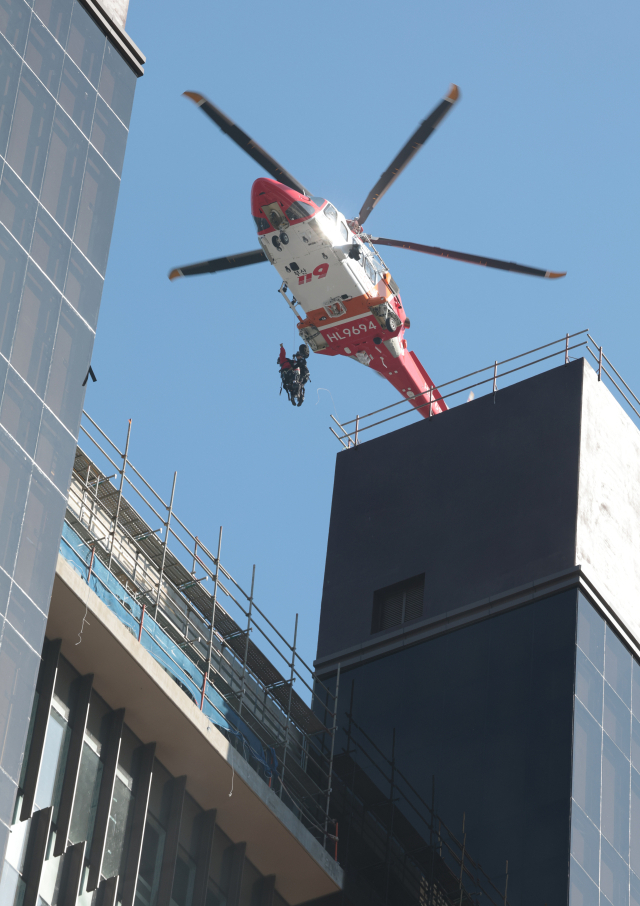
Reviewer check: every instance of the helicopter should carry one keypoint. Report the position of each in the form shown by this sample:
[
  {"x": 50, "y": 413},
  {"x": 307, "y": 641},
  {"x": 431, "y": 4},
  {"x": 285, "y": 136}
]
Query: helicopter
[{"x": 333, "y": 277}]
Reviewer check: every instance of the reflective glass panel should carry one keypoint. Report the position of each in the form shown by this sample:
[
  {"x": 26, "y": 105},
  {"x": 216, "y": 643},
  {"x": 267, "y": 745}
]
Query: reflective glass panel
[
  {"x": 585, "y": 843},
  {"x": 587, "y": 747},
  {"x": 20, "y": 412},
  {"x": 617, "y": 720},
  {"x": 30, "y": 130},
  {"x": 18, "y": 671},
  {"x": 26, "y": 618},
  {"x": 589, "y": 685},
  {"x": 36, "y": 561},
  {"x": 615, "y": 797},
  {"x": 109, "y": 136},
  {"x": 617, "y": 667},
  {"x": 117, "y": 84},
  {"x": 50, "y": 248},
  {"x": 52, "y": 759},
  {"x": 14, "y": 22},
  {"x": 35, "y": 330},
  {"x": 70, "y": 363},
  {"x": 13, "y": 264},
  {"x": 83, "y": 287},
  {"x": 65, "y": 169},
  {"x": 86, "y": 801},
  {"x": 56, "y": 15},
  {"x": 614, "y": 876},
  {"x": 183, "y": 880},
  {"x": 10, "y": 64},
  {"x": 15, "y": 471},
  {"x": 17, "y": 207},
  {"x": 150, "y": 863},
  {"x": 118, "y": 832},
  {"x": 97, "y": 211},
  {"x": 85, "y": 43},
  {"x": 56, "y": 447},
  {"x": 44, "y": 55},
  {"x": 591, "y": 633},
  {"x": 635, "y": 822},
  {"x": 77, "y": 96}
]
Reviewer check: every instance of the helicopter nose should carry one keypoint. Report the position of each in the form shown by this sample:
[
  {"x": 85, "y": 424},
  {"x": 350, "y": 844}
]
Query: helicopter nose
[{"x": 268, "y": 192}]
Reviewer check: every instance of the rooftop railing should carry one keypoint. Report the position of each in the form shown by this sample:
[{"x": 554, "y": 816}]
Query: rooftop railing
[
  {"x": 175, "y": 596},
  {"x": 487, "y": 380}
]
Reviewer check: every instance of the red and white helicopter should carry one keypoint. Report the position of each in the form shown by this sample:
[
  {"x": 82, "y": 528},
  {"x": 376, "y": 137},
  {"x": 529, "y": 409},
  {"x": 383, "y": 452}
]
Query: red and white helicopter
[{"x": 351, "y": 304}]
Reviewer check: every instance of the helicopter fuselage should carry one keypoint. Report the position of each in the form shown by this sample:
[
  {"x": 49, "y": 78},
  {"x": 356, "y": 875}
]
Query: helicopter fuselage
[{"x": 350, "y": 303}]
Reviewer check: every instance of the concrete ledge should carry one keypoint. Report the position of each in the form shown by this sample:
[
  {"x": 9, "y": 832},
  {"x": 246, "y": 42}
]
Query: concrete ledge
[
  {"x": 126, "y": 676},
  {"x": 576, "y": 577},
  {"x": 421, "y": 630}
]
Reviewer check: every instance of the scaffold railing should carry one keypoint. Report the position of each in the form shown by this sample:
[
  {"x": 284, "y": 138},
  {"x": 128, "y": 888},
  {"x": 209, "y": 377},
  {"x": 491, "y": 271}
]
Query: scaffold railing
[
  {"x": 174, "y": 594},
  {"x": 459, "y": 385},
  {"x": 404, "y": 851}
]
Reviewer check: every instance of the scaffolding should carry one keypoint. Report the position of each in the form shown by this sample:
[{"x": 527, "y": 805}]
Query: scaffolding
[
  {"x": 395, "y": 846},
  {"x": 150, "y": 570}
]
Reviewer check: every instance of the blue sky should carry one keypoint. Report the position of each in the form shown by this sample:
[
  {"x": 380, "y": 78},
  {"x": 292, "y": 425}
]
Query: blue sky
[{"x": 537, "y": 163}]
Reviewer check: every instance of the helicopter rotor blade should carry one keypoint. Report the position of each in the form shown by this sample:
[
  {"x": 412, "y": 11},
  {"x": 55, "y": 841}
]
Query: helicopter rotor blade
[
  {"x": 245, "y": 142},
  {"x": 410, "y": 149},
  {"x": 471, "y": 259},
  {"x": 218, "y": 264}
]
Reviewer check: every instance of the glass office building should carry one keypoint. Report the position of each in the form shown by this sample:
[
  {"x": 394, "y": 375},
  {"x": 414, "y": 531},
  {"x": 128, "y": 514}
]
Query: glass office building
[{"x": 67, "y": 81}]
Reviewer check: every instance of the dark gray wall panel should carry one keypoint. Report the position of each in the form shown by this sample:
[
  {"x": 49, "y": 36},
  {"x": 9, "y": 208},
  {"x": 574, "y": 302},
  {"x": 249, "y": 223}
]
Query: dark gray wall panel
[
  {"x": 206, "y": 829},
  {"x": 482, "y": 499}
]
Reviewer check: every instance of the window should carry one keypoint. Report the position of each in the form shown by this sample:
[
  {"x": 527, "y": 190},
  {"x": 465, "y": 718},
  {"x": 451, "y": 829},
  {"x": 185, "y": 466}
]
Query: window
[
  {"x": 331, "y": 213},
  {"x": 370, "y": 270},
  {"x": 397, "y": 604},
  {"x": 344, "y": 231},
  {"x": 298, "y": 211},
  {"x": 262, "y": 223}
]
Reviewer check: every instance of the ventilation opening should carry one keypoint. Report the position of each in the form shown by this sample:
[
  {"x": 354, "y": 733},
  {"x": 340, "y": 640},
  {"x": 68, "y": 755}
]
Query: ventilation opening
[{"x": 398, "y": 604}]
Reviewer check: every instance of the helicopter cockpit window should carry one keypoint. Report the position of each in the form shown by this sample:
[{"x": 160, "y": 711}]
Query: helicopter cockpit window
[
  {"x": 298, "y": 210},
  {"x": 344, "y": 231},
  {"x": 331, "y": 212},
  {"x": 261, "y": 223},
  {"x": 317, "y": 200}
]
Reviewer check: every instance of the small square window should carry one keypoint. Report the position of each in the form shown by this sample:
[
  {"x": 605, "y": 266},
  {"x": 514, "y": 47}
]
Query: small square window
[{"x": 398, "y": 604}]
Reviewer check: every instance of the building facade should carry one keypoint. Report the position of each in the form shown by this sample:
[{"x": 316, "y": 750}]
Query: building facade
[
  {"x": 482, "y": 608},
  {"x": 67, "y": 79},
  {"x": 169, "y": 760}
]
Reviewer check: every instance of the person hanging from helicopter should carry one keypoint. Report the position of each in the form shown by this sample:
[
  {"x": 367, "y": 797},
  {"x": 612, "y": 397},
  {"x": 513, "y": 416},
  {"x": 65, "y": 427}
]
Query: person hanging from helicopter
[{"x": 294, "y": 373}]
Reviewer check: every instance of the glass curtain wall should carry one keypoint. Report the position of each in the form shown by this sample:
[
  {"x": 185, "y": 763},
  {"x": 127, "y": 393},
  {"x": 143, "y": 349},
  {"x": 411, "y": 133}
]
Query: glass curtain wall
[
  {"x": 65, "y": 102},
  {"x": 605, "y": 808}
]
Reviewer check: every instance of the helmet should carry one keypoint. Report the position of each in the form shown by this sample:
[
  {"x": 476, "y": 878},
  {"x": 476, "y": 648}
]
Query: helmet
[{"x": 304, "y": 350}]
